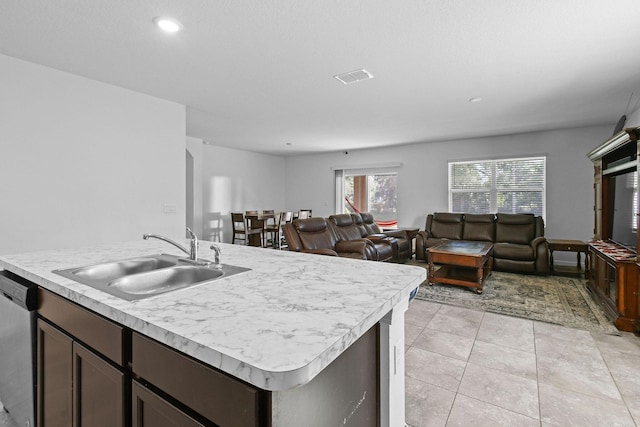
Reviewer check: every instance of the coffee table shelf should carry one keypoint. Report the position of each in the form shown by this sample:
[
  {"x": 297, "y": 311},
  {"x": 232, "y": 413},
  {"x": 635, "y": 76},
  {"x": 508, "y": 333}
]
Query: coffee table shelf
[{"x": 462, "y": 263}]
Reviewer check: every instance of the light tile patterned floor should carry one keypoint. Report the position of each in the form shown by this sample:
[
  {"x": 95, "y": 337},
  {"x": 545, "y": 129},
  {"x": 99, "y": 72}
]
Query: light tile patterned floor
[{"x": 465, "y": 367}]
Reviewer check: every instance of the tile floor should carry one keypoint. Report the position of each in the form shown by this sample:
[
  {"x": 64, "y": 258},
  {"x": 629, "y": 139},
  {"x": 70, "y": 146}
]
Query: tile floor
[{"x": 466, "y": 367}]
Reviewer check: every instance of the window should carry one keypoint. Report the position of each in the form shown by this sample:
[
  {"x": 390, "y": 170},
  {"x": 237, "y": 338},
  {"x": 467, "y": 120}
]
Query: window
[
  {"x": 503, "y": 186},
  {"x": 363, "y": 190}
]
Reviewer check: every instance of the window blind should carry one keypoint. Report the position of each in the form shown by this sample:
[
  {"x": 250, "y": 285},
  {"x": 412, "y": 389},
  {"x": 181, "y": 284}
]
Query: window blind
[{"x": 499, "y": 185}]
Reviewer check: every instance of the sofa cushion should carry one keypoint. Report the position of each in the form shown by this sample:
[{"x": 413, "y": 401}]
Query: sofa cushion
[
  {"x": 311, "y": 225},
  {"x": 314, "y": 233},
  {"x": 370, "y": 223},
  {"x": 357, "y": 220},
  {"x": 514, "y": 251},
  {"x": 515, "y": 228},
  {"x": 479, "y": 227},
  {"x": 344, "y": 227},
  {"x": 447, "y": 226}
]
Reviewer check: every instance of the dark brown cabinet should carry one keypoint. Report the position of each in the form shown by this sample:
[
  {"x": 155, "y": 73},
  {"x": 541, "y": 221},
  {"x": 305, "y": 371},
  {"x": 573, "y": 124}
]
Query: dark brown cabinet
[
  {"x": 210, "y": 393},
  {"x": 151, "y": 410},
  {"x": 77, "y": 386},
  {"x": 615, "y": 271},
  {"x": 54, "y": 377},
  {"x": 93, "y": 372},
  {"x": 99, "y": 390},
  {"x": 615, "y": 285}
]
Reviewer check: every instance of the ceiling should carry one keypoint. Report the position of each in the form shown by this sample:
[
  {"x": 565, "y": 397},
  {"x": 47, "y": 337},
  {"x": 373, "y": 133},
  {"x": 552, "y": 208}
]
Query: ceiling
[{"x": 258, "y": 74}]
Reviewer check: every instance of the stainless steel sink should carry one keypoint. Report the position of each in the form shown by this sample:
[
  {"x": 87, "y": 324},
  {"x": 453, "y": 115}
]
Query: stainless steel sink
[
  {"x": 144, "y": 277},
  {"x": 114, "y": 270}
]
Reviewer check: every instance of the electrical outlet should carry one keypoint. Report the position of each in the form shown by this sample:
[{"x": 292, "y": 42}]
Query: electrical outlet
[{"x": 169, "y": 208}]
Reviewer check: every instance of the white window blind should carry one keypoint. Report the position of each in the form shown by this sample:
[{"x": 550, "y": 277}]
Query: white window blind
[{"x": 502, "y": 185}]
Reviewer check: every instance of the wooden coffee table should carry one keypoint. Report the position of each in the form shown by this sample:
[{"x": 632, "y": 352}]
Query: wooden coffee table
[{"x": 463, "y": 263}]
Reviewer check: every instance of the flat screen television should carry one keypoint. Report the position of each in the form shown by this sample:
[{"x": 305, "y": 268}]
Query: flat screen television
[{"x": 624, "y": 200}]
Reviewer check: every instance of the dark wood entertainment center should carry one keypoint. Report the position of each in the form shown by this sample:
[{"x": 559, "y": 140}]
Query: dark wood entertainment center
[{"x": 614, "y": 276}]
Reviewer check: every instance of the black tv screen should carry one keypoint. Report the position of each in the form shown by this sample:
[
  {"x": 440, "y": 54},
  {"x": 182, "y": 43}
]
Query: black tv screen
[{"x": 624, "y": 227}]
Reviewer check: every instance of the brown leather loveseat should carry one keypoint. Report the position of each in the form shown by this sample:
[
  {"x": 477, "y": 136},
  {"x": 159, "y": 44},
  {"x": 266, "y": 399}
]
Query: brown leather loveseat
[
  {"x": 317, "y": 236},
  {"x": 519, "y": 244},
  {"x": 346, "y": 235}
]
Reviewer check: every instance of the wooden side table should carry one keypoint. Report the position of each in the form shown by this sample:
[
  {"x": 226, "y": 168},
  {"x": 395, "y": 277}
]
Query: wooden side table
[{"x": 577, "y": 246}]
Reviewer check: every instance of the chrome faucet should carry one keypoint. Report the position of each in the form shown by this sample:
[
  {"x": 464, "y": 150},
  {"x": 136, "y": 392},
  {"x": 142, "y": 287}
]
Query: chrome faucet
[
  {"x": 192, "y": 251},
  {"x": 216, "y": 260}
]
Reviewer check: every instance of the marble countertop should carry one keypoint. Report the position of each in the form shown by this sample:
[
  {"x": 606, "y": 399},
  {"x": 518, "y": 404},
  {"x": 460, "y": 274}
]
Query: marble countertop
[{"x": 275, "y": 326}]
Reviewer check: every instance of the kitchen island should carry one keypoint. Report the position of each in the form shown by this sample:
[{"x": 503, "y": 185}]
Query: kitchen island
[{"x": 278, "y": 327}]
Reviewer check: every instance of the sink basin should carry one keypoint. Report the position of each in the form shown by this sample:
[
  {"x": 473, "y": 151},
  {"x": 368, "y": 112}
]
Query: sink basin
[
  {"x": 144, "y": 277},
  {"x": 164, "y": 279},
  {"x": 114, "y": 270}
]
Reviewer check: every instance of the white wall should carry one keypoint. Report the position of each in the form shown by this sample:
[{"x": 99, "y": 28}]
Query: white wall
[
  {"x": 633, "y": 119},
  {"x": 194, "y": 195},
  {"x": 422, "y": 178},
  {"x": 234, "y": 181},
  {"x": 84, "y": 162}
]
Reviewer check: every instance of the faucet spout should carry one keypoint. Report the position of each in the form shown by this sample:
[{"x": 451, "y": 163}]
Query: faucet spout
[
  {"x": 192, "y": 251},
  {"x": 193, "y": 256}
]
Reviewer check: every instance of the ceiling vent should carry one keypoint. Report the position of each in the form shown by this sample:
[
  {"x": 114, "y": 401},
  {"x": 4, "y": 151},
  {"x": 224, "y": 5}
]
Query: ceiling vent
[{"x": 354, "y": 76}]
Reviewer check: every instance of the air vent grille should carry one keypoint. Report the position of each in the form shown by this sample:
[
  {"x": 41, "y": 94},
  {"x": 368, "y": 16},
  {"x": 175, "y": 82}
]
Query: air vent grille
[{"x": 354, "y": 76}]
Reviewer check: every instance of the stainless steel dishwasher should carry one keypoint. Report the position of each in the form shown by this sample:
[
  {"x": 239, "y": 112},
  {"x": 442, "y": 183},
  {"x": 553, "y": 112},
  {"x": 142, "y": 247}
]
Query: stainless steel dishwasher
[{"x": 18, "y": 303}]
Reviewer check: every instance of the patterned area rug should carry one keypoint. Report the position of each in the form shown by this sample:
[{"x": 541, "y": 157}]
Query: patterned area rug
[{"x": 560, "y": 300}]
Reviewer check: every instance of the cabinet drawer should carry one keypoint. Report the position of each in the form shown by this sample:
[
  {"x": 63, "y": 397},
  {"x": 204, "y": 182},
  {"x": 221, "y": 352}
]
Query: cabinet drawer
[
  {"x": 90, "y": 328},
  {"x": 212, "y": 394}
]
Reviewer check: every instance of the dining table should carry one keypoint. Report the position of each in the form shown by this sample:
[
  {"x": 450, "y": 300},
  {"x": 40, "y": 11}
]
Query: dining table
[{"x": 257, "y": 228}]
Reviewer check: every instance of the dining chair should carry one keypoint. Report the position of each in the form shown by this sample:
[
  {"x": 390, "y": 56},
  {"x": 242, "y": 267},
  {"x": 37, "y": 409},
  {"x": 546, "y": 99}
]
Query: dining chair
[
  {"x": 304, "y": 213},
  {"x": 256, "y": 230},
  {"x": 284, "y": 218},
  {"x": 239, "y": 228},
  {"x": 271, "y": 225}
]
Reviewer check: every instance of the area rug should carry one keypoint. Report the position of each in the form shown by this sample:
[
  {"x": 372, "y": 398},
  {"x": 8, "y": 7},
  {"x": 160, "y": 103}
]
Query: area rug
[{"x": 560, "y": 300}]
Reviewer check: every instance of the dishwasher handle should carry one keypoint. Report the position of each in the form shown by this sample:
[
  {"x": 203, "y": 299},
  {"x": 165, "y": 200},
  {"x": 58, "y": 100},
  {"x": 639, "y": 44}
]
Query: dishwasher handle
[{"x": 19, "y": 291}]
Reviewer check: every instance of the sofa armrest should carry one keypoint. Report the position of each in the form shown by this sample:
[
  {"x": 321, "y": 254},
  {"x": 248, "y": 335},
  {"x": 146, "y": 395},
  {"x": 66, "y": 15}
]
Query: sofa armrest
[
  {"x": 398, "y": 234},
  {"x": 421, "y": 245},
  {"x": 541, "y": 249},
  {"x": 385, "y": 240},
  {"x": 376, "y": 237},
  {"x": 356, "y": 246},
  {"x": 329, "y": 252}
]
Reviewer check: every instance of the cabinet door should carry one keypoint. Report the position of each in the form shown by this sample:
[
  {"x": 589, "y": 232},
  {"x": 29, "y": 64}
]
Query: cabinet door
[
  {"x": 602, "y": 275},
  {"x": 98, "y": 391},
  {"x": 150, "y": 410},
  {"x": 597, "y": 200},
  {"x": 54, "y": 377}
]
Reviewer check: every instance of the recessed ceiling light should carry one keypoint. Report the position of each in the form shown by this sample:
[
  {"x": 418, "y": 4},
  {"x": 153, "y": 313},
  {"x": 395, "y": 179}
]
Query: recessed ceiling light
[
  {"x": 475, "y": 99},
  {"x": 169, "y": 25}
]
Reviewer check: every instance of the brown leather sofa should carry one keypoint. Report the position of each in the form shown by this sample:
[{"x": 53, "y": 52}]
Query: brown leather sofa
[
  {"x": 519, "y": 244},
  {"x": 317, "y": 236}
]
